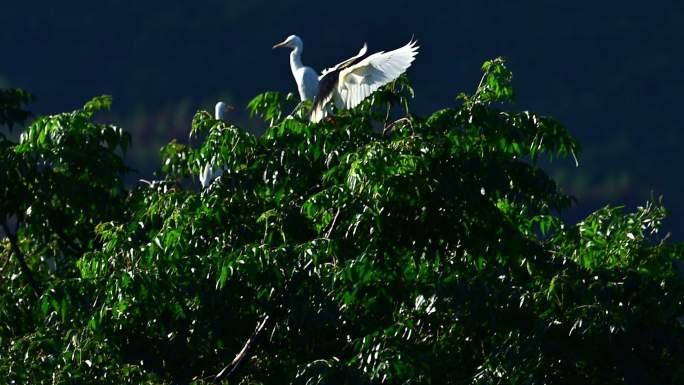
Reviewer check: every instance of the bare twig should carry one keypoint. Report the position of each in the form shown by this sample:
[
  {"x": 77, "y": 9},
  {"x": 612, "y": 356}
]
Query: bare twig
[
  {"x": 332, "y": 225},
  {"x": 242, "y": 356},
  {"x": 69, "y": 243},
  {"x": 292, "y": 114},
  {"x": 22, "y": 261},
  {"x": 477, "y": 90},
  {"x": 391, "y": 125},
  {"x": 247, "y": 349},
  {"x": 389, "y": 107}
]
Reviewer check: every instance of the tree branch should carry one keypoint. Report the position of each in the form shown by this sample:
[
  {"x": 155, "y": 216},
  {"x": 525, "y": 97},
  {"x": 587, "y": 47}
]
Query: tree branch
[
  {"x": 332, "y": 225},
  {"x": 389, "y": 127},
  {"x": 244, "y": 353},
  {"x": 69, "y": 243},
  {"x": 22, "y": 261},
  {"x": 247, "y": 349}
]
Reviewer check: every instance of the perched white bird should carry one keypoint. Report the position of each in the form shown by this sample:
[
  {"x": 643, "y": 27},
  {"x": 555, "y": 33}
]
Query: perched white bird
[
  {"x": 220, "y": 110},
  {"x": 351, "y": 81},
  {"x": 306, "y": 77},
  {"x": 208, "y": 174}
]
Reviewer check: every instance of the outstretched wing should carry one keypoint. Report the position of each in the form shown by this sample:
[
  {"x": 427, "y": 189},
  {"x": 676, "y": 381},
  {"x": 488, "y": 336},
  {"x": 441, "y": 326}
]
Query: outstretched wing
[
  {"x": 358, "y": 81},
  {"x": 327, "y": 83},
  {"x": 345, "y": 63}
]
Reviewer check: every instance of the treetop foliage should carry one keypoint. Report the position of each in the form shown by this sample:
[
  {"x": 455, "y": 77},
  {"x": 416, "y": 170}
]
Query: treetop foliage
[{"x": 376, "y": 246}]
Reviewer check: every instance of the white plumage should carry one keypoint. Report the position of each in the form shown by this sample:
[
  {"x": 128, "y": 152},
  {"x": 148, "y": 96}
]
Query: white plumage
[
  {"x": 348, "y": 83},
  {"x": 360, "y": 80},
  {"x": 208, "y": 174},
  {"x": 220, "y": 110},
  {"x": 306, "y": 77}
]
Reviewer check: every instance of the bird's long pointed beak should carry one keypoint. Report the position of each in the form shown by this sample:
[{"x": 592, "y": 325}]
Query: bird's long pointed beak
[{"x": 279, "y": 45}]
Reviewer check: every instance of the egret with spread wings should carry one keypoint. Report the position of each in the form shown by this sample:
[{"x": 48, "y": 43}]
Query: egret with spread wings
[{"x": 351, "y": 81}]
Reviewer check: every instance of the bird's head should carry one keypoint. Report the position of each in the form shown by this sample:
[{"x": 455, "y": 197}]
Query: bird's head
[
  {"x": 292, "y": 41},
  {"x": 220, "y": 111}
]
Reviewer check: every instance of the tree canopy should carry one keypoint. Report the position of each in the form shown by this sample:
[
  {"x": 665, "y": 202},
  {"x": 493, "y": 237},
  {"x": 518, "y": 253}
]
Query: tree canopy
[{"x": 374, "y": 247}]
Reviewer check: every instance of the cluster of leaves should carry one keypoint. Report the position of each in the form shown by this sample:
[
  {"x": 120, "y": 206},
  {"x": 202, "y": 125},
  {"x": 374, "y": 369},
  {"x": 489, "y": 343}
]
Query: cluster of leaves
[
  {"x": 363, "y": 249},
  {"x": 62, "y": 178}
]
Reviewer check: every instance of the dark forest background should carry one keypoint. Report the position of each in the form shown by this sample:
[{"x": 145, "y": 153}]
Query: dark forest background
[{"x": 610, "y": 71}]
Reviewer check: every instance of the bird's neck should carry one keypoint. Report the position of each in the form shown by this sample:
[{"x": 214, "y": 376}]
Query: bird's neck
[{"x": 296, "y": 59}]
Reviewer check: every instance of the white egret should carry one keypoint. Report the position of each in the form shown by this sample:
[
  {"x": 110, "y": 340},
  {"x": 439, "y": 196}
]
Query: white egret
[
  {"x": 220, "y": 110},
  {"x": 348, "y": 83},
  {"x": 208, "y": 174}
]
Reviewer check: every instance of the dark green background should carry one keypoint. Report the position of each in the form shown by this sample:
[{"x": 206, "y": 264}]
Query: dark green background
[{"x": 611, "y": 71}]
